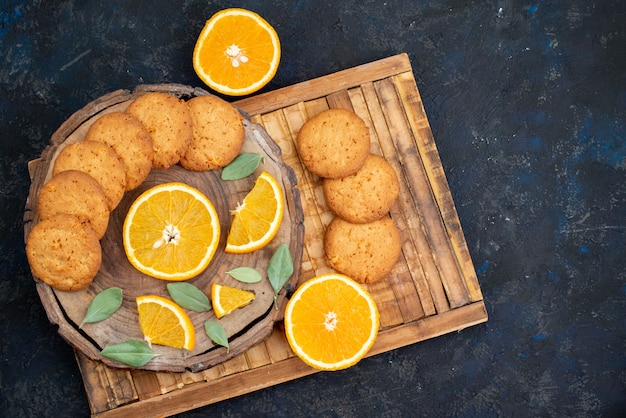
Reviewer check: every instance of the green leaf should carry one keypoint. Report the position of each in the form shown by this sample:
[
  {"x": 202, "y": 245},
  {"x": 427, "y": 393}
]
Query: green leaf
[
  {"x": 245, "y": 274},
  {"x": 103, "y": 305},
  {"x": 280, "y": 269},
  {"x": 217, "y": 333},
  {"x": 242, "y": 166},
  {"x": 189, "y": 297},
  {"x": 132, "y": 352}
]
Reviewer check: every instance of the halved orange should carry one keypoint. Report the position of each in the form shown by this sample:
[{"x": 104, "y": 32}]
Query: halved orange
[
  {"x": 226, "y": 299},
  {"x": 163, "y": 322},
  {"x": 257, "y": 219},
  {"x": 331, "y": 322},
  {"x": 171, "y": 232},
  {"x": 237, "y": 52}
]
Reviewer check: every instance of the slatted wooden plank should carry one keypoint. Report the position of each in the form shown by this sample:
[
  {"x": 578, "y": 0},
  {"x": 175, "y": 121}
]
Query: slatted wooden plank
[
  {"x": 221, "y": 371},
  {"x": 278, "y": 347},
  {"x": 414, "y": 109},
  {"x": 169, "y": 381},
  {"x": 405, "y": 292},
  {"x": 326, "y": 85},
  {"x": 388, "y": 150},
  {"x": 432, "y": 291},
  {"x": 340, "y": 100},
  {"x": 257, "y": 356},
  {"x": 316, "y": 214},
  {"x": 213, "y": 373},
  {"x": 390, "y": 313},
  {"x": 146, "y": 384},
  {"x": 423, "y": 268},
  {"x": 106, "y": 388},
  {"x": 190, "y": 378},
  {"x": 421, "y": 192},
  {"x": 235, "y": 365}
]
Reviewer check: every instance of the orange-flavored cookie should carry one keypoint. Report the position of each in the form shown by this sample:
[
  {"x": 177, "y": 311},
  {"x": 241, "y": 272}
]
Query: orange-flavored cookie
[
  {"x": 98, "y": 160},
  {"x": 366, "y": 195},
  {"x": 366, "y": 252},
  {"x": 169, "y": 123},
  {"x": 334, "y": 143},
  {"x": 130, "y": 140},
  {"x": 77, "y": 193},
  {"x": 64, "y": 252},
  {"x": 218, "y": 134}
]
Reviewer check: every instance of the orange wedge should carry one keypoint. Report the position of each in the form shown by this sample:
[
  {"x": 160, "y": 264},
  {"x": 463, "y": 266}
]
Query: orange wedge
[
  {"x": 331, "y": 322},
  {"x": 257, "y": 219},
  {"x": 237, "y": 52},
  {"x": 171, "y": 232},
  {"x": 165, "y": 323},
  {"x": 226, "y": 299}
]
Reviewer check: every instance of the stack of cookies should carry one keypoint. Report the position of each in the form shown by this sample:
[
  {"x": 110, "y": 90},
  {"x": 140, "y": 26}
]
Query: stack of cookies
[
  {"x": 90, "y": 177},
  {"x": 361, "y": 241}
]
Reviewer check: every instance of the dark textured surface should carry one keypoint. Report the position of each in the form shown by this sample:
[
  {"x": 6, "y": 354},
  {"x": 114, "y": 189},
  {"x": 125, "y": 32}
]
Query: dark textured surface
[{"x": 527, "y": 103}]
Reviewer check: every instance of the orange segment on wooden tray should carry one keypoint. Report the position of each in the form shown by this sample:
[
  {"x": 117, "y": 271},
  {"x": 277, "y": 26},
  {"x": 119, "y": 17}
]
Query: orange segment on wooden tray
[
  {"x": 226, "y": 299},
  {"x": 171, "y": 232},
  {"x": 257, "y": 219},
  {"x": 331, "y": 322},
  {"x": 163, "y": 322},
  {"x": 237, "y": 52}
]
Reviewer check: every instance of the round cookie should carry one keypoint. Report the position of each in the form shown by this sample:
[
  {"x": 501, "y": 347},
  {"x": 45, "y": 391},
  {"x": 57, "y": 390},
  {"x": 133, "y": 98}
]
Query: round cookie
[
  {"x": 169, "y": 123},
  {"x": 365, "y": 252},
  {"x": 100, "y": 162},
  {"x": 366, "y": 195},
  {"x": 130, "y": 140},
  {"x": 218, "y": 134},
  {"x": 77, "y": 193},
  {"x": 334, "y": 143},
  {"x": 64, "y": 252}
]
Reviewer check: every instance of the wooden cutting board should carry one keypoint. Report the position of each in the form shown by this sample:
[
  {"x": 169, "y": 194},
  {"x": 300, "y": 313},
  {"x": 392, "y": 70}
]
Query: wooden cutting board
[
  {"x": 433, "y": 289},
  {"x": 244, "y": 327}
]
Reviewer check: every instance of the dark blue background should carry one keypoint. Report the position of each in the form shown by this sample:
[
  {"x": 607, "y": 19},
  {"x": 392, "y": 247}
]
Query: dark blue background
[{"x": 527, "y": 103}]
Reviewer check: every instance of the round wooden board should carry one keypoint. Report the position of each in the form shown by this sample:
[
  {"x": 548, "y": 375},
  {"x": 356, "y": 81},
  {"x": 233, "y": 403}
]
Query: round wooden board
[{"x": 245, "y": 327}]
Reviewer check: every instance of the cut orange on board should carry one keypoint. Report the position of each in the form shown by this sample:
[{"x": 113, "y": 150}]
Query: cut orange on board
[
  {"x": 257, "y": 219},
  {"x": 237, "y": 52},
  {"x": 331, "y": 322},
  {"x": 163, "y": 322},
  {"x": 171, "y": 232},
  {"x": 226, "y": 299}
]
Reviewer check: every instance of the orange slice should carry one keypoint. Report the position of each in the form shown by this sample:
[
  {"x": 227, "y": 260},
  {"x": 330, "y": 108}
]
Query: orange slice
[
  {"x": 165, "y": 323},
  {"x": 237, "y": 52},
  {"x": 331, "y": 322},
  {"x": 171, "y": 232},
  {"x": 257, "y": 219},
  {"x": 226, "y": 299}
]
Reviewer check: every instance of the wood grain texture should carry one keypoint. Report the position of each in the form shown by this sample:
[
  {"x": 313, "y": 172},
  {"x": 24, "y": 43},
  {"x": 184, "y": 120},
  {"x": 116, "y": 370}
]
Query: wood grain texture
[{"x": 430, "y": 292}]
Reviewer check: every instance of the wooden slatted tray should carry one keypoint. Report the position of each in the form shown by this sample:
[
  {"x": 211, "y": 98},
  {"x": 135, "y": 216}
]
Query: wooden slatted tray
[{"x": 433, "y": 289}]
